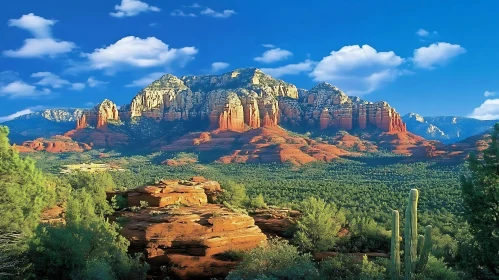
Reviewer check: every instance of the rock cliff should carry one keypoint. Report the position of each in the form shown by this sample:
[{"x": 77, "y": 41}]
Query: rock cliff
[
  {"x": 248, "y": 98},
  {"x": 179, "y": 230},
  {"x": 99, "y": 116},
  {"x": 244, "y": 99}
]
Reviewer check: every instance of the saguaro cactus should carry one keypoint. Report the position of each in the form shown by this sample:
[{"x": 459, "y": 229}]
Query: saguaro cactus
[
  {"x": 395, "y": 247},
  {"x": 411, "y": 234},
  {"x": 417, "y": 248}
]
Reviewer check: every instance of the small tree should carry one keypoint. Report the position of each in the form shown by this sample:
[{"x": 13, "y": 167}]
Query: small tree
[
  {"x": 319, "y": 224},
  {"x": 233, "y": 193}
]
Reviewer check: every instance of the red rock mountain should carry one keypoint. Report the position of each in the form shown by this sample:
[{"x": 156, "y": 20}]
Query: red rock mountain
[
  {"x": 241, "y": 114},
  {"x": 245, "y": 99}
]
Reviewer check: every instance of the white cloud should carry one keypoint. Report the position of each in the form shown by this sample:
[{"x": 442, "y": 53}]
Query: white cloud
[
  {"x": 49, "y": 79},
  {"x": 20, "y": 89},
  {"x": 358, "y": 70},
  {"x": 290, "y": 69},
  {"x": 273, "y": 55},
  {"x": 137, "y": 52},
  {"x": 489, "y": 110},
  {"x": 212, "y": 13},
  {"x": 130, "y": 8},
  {"x": 40, "y": 48},
  {"x": 422, "y": 33},
  {"x": 92, "y": 82},
  {"x": 180, "y": 13},
  {"x": 195, "y": 6},
  {"x": 489, "y": 93},
  {"x": 38, "y": 26},
  {"x": 270, "y": 46},
  {"x": 15, "y": 115},
  {"x": 43, "y": 44},
  {"x": 145, "y": 81},
  {"x": 217, "y": 66},
  {"x": 437, "y": 54},
  {"x": 77, "y": 86}
]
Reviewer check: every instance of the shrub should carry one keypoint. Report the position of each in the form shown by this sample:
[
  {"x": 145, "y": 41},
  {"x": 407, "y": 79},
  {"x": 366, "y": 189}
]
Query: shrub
[
  {"x": 275, "y": 260},
  {"x": 318, "y": 226}
]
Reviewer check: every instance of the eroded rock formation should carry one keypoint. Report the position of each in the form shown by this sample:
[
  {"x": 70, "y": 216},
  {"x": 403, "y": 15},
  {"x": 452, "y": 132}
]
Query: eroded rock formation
[
  {"x": 99, "y": 116},
  {"x": 180, "y": 230},
  {"x": 56, "y": 144}
]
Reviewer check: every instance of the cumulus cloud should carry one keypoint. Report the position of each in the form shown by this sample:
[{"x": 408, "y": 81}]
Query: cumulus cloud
[
  {"x": 43, "y": 44},
  {"x": 130, "y": 8},
  {"x": 147, "y": 80},
  {"x": 488, "y": 110},
  {"x": 38, "y": 26},
  {"x": 20, "y": 89},
  {"x": 217, "y": 66},
  {"x": 223, "y": 14},
  {"x": 437, "y": 54},
  {"x": 273, "y": 55},
  {"x": 357, "y": 69},
  {"x": 49, "y": 79},
  {"x": 489, "y": 93},
  {"x": 137, "y": 52},
  {"x": 180, "y": 13},
  {"x": 290, "y": 69},
  {"x": 92, "y": 82}
]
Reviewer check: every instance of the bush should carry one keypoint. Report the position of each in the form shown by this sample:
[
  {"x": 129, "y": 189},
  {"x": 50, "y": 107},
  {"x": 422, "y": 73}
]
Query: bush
[
  {"x": 257, "y": 202},
  {"x": 275, "y": 260},
  {"x": 436, "y": 269},
  {"x": 318, "y": 226},
  {"x": 344, "y": 267},
  {"x": 365, "y": 236},
  {"x": 86, "y": 247},
  {"x": 233, "y": 193}
]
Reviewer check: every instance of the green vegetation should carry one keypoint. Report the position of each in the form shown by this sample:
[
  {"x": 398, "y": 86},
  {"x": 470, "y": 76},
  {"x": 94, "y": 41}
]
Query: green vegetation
[
  {"x": 417, "y": 248},
  {"x": 318, "y": 227},
  {"x": 480, "y": 192},
  {"x": 86, "y": 246},
  {"x": 353, "y": 197}
]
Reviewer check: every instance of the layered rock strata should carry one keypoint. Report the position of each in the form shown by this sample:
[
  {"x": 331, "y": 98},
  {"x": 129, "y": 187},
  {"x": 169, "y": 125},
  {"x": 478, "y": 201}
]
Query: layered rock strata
[
  {"x": 245, "y": 99},
  {"x": 181, "y": 231}
]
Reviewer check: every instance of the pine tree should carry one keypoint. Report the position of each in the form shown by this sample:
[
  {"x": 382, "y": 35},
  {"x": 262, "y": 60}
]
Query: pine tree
[{"x": 480, "y": 192}]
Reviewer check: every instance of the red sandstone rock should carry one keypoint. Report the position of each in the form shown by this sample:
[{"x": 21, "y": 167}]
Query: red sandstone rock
[
  {"x": 56, "y": 144},
  {"x": 189, "y": 238}
]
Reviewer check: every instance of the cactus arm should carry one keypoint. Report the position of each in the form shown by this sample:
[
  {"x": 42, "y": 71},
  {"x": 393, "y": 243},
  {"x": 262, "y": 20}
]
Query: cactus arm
[
  {"x": 425, "y": 251},
  {"x": 420, "y": 243}
]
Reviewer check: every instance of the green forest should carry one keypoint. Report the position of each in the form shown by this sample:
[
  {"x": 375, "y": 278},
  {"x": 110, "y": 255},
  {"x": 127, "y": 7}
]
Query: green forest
[{"x": 446, "y": 225}]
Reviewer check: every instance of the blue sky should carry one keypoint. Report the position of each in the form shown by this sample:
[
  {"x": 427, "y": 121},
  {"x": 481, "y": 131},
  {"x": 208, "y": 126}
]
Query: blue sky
[{"x": 429, "y": 57}]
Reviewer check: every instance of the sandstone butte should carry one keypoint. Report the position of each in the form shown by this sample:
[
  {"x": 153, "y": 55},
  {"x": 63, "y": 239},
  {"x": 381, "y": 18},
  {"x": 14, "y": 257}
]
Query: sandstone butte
[
  {"x": 56, "y": 144},
  {"x": 245, "y": 99},
  {"x": 180, "y": 230}
]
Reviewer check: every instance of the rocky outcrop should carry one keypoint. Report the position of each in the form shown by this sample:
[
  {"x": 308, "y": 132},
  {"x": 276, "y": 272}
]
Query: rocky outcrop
[
  {"x": 56, "y": 144},
  {"x": 235, "y": 101},
  {"x": 261, "y": 145},
  {"x": 99, "y": 116},
  {"x": 276, "y": 221},
  {"x": 179, "y": 230},
  {"x": 325, "y": 106}
]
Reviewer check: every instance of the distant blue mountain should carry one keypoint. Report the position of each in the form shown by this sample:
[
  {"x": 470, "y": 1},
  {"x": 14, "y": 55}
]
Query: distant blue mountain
[
  {"x": 44, "y": 123},
  {"x": 446, "y": 129}
]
